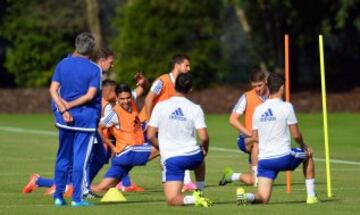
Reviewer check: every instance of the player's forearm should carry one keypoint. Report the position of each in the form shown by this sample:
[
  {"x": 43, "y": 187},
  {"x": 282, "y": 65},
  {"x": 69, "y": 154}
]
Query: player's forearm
[
  {"x": 56, "y": 98},
  {"x": 139, "y": 90},
  {"x": 295, "y": 133},
  {"x": 205, "y": 144},
  {"x": 148, "y": 106},
  {"x": 151, "y": 134},
  {"x": 240, "y": 127},
  {"x": 91, "y": 93},
  {"x": 104, "y": 139},
  {"x": 300, "y": 141},
  {"x": 234, "y": 121}
]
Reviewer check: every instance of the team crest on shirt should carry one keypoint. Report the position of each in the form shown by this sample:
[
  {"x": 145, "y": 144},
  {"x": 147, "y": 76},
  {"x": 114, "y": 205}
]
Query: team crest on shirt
[
  {"x": 177, "y": 115},
  {"x": 267, "y": 116}
]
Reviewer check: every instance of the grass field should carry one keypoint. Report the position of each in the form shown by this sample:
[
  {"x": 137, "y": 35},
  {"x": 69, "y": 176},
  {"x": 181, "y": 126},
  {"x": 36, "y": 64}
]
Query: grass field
[{"x": 28, "y": 144}]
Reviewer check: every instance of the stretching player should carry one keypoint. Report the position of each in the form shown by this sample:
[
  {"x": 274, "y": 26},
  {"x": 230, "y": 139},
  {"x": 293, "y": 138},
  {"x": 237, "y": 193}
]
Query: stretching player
[
  {"x": 177, "y": 120},
  {"x": 273, "y": 122},
  {"x": 130, "y": 149},
  {"x": 162, "y": 89},
  {"x": 245, "y": 107}
]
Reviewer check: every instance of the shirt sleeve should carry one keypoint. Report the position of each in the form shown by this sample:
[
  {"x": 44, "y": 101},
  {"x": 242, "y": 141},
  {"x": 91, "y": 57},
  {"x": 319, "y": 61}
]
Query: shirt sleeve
[
  {"x": 110, "y": 120},
  {"x": 240, "y": 105},
  {"x": 107, "y": 109},
  {"x": 95, "y": 79},
  {"x": 156, "y": 87},
  {"x": 291, "y": 118},
  {"x": 56, "y": 76},
  {"x": 133, "y": 94},
  {"x": 155, "y": 115},
  {"x": 199, "y": 119}
]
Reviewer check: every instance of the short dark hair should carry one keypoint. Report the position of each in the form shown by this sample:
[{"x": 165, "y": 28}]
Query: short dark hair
[
  {"x": 275, "y": 81},
  {"x": 122, "y": 88},
  {"x": 108, "y": 83},
  {"x": 102, "y": 53},
  {"x": 178, "y": 59},
  {"x": 85, "y": 43},
  {"x": 257, "y": 75},
  {"x": 183, "y": 83}
]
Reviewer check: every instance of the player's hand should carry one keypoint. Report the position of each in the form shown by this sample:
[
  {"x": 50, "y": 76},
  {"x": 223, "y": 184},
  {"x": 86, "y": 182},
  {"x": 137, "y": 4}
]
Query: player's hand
[
  {"x": 204, "y": 151},
  {"x": 68, "y": 118},
  {"x": 308, "y": 150},
  {"x": 140, "y": 79},
  {"x": 67, "y": 105}
]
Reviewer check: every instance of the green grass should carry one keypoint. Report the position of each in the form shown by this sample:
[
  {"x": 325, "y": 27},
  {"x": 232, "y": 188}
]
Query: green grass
[{"x": 22, "y": 153}]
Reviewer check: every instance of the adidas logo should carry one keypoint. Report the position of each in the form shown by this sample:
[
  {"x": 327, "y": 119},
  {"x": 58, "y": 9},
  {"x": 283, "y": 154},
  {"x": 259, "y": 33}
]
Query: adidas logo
[
  {"x": 267, "y": 116},
  {"x": 178, "y": 115}
]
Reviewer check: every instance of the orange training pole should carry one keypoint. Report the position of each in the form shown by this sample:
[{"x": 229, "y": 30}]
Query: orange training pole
[{"x": 287, "y": 98}]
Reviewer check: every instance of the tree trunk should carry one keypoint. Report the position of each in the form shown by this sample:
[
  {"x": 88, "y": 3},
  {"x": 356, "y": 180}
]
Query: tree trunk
[
  {"x": 240, "y": 13},
  {"x": 92, "y": 13}
]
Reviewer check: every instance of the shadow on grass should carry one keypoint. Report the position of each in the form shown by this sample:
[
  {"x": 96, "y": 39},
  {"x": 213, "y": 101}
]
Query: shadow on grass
[
  {"x": 303, "y": 202},
  {"x": 297, "y": 183},
  {"x": 280, "y": 203},
  {"x": 130, "y": 202}
]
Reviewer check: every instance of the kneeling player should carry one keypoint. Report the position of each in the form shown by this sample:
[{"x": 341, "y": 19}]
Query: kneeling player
[
  {"x": 273, "y": 122},
  {"x": 176, "y": 120},
  {"x": 129, "y": 149}
]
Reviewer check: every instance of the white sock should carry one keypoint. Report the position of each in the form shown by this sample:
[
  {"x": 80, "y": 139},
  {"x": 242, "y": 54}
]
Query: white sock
[
  {"x": 187, "y": 177},
  {"x": 235, "y": 176},
  {"x": 250, "y": 197},
  {"x": 200, "y": 185},
  {"x": 310, "y": 187},
  {"x": 254, "y": 169},
  {"x": 189, "y": 200}
]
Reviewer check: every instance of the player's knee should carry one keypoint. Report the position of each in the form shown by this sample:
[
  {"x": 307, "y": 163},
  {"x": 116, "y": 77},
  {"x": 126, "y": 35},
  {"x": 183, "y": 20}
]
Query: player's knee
[
  {"x": 263, "y": 198},
  {"x": 172, "y": 202}
]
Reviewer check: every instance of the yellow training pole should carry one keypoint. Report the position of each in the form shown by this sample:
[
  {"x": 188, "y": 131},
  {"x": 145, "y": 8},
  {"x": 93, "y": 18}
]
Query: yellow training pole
[
  {"x": 287, "y": 98},
  {"x": 323, "y": 96}
]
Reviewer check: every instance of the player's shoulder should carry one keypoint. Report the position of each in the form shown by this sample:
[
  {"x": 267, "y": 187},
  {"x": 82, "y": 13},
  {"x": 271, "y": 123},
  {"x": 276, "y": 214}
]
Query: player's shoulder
[
  {"x": 288, "y": 106},
  {"x": 260, "y": 107},
  {"x": 161, "y": 78}
]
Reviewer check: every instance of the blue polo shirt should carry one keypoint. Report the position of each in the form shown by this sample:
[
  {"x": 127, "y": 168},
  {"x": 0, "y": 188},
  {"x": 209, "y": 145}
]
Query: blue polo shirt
[{"x": 75, "y": 76}]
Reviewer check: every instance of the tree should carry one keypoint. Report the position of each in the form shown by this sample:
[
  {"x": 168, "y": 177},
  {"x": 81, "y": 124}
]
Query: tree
[
  {"x": 39, "y": 34},
  {"x": 93, "y": 19},
  {"x": 151, "y": 32},
  {"x": 303, "y": 20}
]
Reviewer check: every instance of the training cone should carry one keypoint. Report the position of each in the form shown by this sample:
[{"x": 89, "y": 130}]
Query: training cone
[{"x": 113, "y": 195}]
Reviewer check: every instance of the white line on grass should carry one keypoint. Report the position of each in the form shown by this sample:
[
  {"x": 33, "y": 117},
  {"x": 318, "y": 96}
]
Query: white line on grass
[
  {"x": 30, "y": 131},
  {"x": 316, "y": 159},
  {"x": 53, "y": 133}
]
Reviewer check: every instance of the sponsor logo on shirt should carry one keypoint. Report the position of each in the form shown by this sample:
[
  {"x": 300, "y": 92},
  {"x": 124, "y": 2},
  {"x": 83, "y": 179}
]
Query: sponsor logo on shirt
[
  {"x": 267, "y": 116},
  {"x": 177, "y": 115}
]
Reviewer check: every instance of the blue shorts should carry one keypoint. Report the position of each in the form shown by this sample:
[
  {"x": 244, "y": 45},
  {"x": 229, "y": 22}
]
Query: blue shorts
[
  {"x": 174, "y": 167},
  {"x": 132, "y": 156},
  {"x": 269, "y": 168},
  {"x": 99, "y": 152},
  {"x": 241, "y": 143}
]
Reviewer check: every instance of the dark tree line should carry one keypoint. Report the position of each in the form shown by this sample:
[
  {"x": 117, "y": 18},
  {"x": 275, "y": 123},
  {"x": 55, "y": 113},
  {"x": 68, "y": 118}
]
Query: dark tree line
[{"x": 226, "y": 39}]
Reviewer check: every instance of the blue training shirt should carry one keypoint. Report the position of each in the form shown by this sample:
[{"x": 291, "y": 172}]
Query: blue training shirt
[{"x": 75, "y": 76}]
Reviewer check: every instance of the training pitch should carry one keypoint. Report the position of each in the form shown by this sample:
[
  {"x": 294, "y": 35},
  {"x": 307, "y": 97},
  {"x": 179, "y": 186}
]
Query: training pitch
[{"x": 28, "y": 144}]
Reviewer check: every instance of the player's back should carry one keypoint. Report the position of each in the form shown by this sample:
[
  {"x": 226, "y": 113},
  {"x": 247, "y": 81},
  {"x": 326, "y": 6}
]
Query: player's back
[
  {"x": 271, "y": 120},
  {"x": 76, "y": 75},
  {"x": 178, "y": 118}
]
